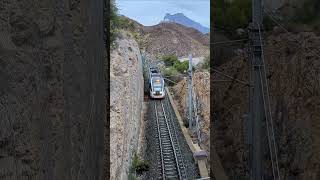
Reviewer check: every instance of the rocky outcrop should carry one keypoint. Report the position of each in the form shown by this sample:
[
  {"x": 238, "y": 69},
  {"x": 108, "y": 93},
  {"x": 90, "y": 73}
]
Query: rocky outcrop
[{"x": 126, "y": 97}]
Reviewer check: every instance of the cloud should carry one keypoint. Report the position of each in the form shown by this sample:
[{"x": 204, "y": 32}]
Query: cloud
[{"x": 151, "y": 12}]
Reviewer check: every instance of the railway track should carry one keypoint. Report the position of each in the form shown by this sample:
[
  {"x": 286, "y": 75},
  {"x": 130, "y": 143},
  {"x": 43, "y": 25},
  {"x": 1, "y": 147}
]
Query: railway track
[{"x": 171, "y": 164}]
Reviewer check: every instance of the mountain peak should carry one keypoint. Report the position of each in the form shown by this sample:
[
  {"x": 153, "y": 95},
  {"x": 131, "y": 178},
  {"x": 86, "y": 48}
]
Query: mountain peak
[{"x": 180, "y": 18}]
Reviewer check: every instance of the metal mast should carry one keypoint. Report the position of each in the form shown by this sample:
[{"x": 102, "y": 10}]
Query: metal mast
[
  {"x": 257, "y": 114},
  {"x": 190, "y": 91}
]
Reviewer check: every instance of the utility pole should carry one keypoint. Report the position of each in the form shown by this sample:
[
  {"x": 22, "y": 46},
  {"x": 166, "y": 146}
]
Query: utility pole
[
  {"x": 190, "y": 91},
  {"x": 257, "y": 114}
]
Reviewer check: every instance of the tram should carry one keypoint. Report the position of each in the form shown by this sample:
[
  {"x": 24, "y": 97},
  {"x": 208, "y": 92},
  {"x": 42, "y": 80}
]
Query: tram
[{"x": 156, "y": 83}]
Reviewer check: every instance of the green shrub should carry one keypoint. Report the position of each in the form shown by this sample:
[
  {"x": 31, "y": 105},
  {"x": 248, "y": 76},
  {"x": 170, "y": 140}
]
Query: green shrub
[
  {"x": 113, "y": 23},
  {"x": 169, "y": 60},
  {"x": 182, "y": 67},
  {"x": 171, "y": 71},
  {"x": 117, "y": 22},
  {"x": 231, "y": 14},
  {"x": 139, "y": 165},
  {"x": 174, "y": 64},
  {"x": 124, "y": 23}
]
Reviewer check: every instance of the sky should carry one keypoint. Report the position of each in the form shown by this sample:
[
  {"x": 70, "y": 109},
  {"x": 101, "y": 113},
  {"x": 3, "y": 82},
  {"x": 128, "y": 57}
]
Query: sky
[{"x": 151, "y": 12}]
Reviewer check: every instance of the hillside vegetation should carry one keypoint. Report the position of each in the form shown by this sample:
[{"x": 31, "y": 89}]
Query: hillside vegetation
[
  {"x": 231, "y": 15},
  {"x": 117, "y": 23}
]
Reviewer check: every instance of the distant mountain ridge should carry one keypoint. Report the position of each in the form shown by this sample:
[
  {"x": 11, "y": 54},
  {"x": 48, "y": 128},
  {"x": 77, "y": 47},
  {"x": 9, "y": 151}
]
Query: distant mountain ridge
[
  {"x": 175, "y": 39},
  {"x": 180, "y": 18},
  {"x": 170, "y": 38}
]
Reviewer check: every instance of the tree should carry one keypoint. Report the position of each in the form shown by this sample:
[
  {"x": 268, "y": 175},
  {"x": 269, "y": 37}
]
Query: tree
[
  {"x": 113, "y": 20},
  {"x": 170, "y": 60},
  {"x": 181, "y": 66},
  {"x": 231, "y": 15}
]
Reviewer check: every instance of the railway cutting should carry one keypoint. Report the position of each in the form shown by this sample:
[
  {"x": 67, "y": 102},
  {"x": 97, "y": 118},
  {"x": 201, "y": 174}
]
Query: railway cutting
[{"x": 166, "y": 149}]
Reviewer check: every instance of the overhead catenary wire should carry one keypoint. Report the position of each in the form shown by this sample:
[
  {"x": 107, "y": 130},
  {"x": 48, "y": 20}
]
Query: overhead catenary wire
[
  {"x": 301, "y": 43},
  {"x": 228, "y": 42},
  {"x": 170, "y": 80},
  {"x": 269, "y": 108},
  {"x": 265, "y": 110},
  {"x": 266, "y": 101}
]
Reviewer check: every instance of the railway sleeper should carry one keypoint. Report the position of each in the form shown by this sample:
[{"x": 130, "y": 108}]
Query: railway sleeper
[
  {"x": 171, "y": 171},
  {"x": 172, "y": 177},
  {"x": 168, "y": 159}
]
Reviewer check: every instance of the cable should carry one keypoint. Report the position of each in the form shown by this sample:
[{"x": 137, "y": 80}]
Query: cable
[
  {"x": 170, "y": 80},
  {"x": 231, "y": 41},
  {"x": 268, "y": 129},
  {"x": 282, "y": 27},
  {"x": 240, "y": 81},
  {"x": 175, "y": 76},
  {"x": 269, "y": 107}
]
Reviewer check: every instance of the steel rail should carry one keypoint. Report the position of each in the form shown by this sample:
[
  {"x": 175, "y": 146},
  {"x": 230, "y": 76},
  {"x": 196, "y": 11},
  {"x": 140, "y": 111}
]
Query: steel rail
[
  {"x": 160, "y": 142},
  {"x": 171, "y": 141},
  {"x": 169, "y": 108},
  {"x": 166, "y": 144}
]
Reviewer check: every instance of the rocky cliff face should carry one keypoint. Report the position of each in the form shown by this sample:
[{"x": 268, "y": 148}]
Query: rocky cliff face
[
  {"x": 126, "y": 97},
  {"x": 201, "y": 81},
  {"x": 294, "y": 85},
  {"x": 46, "y": 77},
  {"x": 31, "y": 95}
]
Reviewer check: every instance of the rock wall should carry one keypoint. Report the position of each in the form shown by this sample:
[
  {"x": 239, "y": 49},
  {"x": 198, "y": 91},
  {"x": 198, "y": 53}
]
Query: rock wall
[
  {"x": 293, "y": 75},
  {"x": 48, "y": 71},
  {"x": 31, "y": 94},
  {"x": 126, "y": 98}
]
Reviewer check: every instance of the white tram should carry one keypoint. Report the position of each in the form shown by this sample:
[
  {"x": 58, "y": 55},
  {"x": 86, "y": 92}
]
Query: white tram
[{"x": 156, "y": 83}]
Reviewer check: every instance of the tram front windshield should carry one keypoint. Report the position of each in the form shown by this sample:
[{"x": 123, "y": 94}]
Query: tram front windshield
[{"x": 157, "y": 87}]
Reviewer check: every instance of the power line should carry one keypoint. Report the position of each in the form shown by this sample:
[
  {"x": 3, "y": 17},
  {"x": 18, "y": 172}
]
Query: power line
[
  {"x": 228, "y": 42},
  {"x": 239, "y": 81},
  {"x": 269, "y": 112},
  {"x": 285, "y": 29},
  {"x": 170, "y": 80}
]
